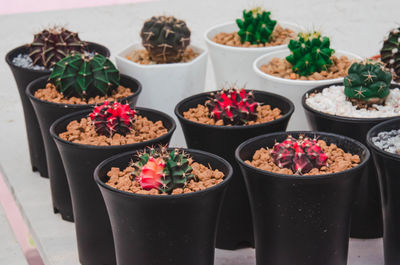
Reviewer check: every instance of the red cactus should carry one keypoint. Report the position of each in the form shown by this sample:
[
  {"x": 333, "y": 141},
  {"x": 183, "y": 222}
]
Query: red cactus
[
  {"x": 111, "y": 118},
  {"x": 151, "y": 174},
  {"x": 301, "y": 155}
]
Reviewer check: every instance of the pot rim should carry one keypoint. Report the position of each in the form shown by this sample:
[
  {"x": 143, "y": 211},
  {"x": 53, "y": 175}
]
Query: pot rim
[
  {"x": 337, "y": 117},
  {"x": 302, "y": 177},
  {"x": 227, "y": 177},
  {"x": 78, "y": 106},
  {"x": 110, "y": 147},
  {"x": 377, "y": 129},
  {"x": 234, "y": 127}
]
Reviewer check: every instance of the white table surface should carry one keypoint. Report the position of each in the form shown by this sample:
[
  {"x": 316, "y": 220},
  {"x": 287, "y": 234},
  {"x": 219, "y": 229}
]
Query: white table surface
[{"x": 357, "y": 26}]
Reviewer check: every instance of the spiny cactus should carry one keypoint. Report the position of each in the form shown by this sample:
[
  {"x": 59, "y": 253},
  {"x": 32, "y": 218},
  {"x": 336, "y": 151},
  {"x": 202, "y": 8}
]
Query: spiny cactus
[
  {"x": 85, "y": 76},
  {"x": 390, "y": 53},
  {"x": 310, "y": 53},
  {"x": 51, "y": 45},
  {"x": 162, "y": 169},
  {"x": 300, "y": 155},
  {"x": 233, "y": 106},
  {"x": 255, "y": 26},
  {"x": 111, "y": 118},
  {"x": 165, "y": 38},
  {"x": 367, "y": 83}
]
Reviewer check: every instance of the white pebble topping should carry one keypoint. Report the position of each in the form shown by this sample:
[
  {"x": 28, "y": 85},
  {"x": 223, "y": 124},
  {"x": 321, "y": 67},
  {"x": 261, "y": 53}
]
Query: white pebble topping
[
  {"x": 388, "y": 141},
  {"x": 23, "y": 60}
]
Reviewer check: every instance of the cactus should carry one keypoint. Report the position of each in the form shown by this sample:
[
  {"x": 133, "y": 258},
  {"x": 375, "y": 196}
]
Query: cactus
[
  {"x": 300, "y": 155},
  {"x": 233, "y": 106},
  {"x": 390, "y": 53},
  {"x": 162, "y": 169},
  {"x": 85, "y": 76},
  {"x": 111, "y": 118},
  {"x": 310, "y": 53},
  {"x": 256, "y": 26},
  {"x": 165, "y": 38},
  {"x": 367, "y": 83},
  {"x": 51, "y": 45}
]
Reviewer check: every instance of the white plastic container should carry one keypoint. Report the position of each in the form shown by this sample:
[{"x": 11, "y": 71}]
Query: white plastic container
[
  {"x": 292, "y": 89},
  {"x": 233, "y": 64},
  {"x": 164, "y": 85}
]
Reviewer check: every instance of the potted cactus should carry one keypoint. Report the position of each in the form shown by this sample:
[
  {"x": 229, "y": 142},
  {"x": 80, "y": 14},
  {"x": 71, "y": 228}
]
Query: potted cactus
[
  {"x": 166, "y": 64},
  {"x": 158, "y": 199},
  {"x": 31, "y": 61},
  {"x": 240, "y": 42},
  {"x": 308, "y": 62},
  {"x": 301, "y": 188},
  {"x": 365, "y": 99},
  {"x": 77, "y": 82},
  {"x": 106, "y": 130},
  {"x": 218, "y": 122}
]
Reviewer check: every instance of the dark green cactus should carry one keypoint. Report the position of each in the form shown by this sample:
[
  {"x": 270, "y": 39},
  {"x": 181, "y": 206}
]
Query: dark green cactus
[
  {"x": 165, "y": 38},
  {"x": 85, "y": 76},
  {"x": 367, "y": 83},
  {"x": 310, "y": 53},
  {"x": 390, "y": 53},
  {"x": 256, "y": 26}
]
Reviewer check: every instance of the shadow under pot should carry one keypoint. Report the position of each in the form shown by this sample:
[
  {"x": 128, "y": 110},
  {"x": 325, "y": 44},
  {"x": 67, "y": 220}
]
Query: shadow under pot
[
  {"x": 23, "y": 76},
  {"x": 235, "y": 225},
  {"x": 387, "y": 164},
  {"x": 307, "y": 216},
  {"x": 176, "y": 229},
  {"x": 93, "y": 229},
  {"x": 366, "y": 219},
  {"x": 47, "y": 112}
]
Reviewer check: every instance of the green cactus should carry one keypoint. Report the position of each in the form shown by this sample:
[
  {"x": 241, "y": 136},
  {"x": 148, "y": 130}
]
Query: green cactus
[
  {"x": 367, "y": 83},
  {"x": 390, "y": 53},
  {"x": 310, "y": 53},
  {"x": 85, "y": 76},
  {"x": 256, "y": 26}
]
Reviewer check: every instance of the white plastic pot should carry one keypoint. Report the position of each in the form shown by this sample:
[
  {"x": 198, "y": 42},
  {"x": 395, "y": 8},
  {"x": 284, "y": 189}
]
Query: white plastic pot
[
  {"x": 292, "y": 89},
  {"x": 233, "y": 64},
  {"x": 164, "y": 85}
]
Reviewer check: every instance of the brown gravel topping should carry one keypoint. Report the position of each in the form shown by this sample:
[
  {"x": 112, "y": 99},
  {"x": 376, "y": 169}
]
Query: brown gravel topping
[
  {"x": 50, "y": 93},
  {"x": 83, "y": 132},
  {"x": 279, "y": 67},
  {"x": 337, "y": 161},
  {"x": 207, "y": 177},
  {"x": 142, "y": 56},
  {"x": 279, "y": 36}
]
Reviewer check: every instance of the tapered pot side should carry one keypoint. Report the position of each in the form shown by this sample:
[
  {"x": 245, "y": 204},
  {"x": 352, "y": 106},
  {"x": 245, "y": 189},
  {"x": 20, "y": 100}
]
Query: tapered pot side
[
  {"x": 306, "y": 216},
  {"x": 235, "y": 225},
  {"x": 388, "y": 168},
  {"x": 23, "y": 76},
  {"x": 164, "y": 229},
  {"x": 48, "y": 112},
  {"x": 93, "y": 229},
  {"x": 367, "y": 212}
]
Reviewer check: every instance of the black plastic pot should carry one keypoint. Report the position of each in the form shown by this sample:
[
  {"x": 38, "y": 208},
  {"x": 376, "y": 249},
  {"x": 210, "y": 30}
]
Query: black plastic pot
[
  {"x": 46, "y": 113},
  {"x": 23, "y": 76},
  {"x": 235, "y": 225},
  {"x": 93, "y": 229},
  {"x": 367, "y": 212},
  {"x": 388, "y": 167},
  {"x": 164, "y": 229},
  {"x": 302, "y": 220}
]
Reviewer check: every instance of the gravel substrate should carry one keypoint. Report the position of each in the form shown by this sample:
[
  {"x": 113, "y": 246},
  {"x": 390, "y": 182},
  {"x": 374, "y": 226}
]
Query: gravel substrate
[
  {"x": 23, "y": 60},
  {"x": 332, "y": 100},
  {"x": 388, "y": 141}
]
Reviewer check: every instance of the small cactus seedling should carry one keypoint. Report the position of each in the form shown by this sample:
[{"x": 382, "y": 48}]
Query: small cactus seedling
[
  {"x": 390, "y": 53},
  {"x": 165, "y": 38},
  {"x": 85, "y": 76},
  {"x": 162, "y": 169},
  {"x": 367, "y": 83},
  {"x": 233, "y": 106},
  {"x": 111, "y": 118},
  {"x": 300, "y": 155},
  {"x": 51, "y": 45},
  {"x": 311, "y": 53},
  {"x": 255, "y": 26}
]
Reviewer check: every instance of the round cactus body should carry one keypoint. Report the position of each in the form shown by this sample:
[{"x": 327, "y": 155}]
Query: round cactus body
[{"x": 390, "y": 53}]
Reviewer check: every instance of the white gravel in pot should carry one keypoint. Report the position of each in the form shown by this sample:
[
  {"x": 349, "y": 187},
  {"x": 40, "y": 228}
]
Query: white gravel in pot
[
  {"x": 332, "y": 100},
  {"x": 23, "y": 60},
  {"x": 388, "y": 141}
]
